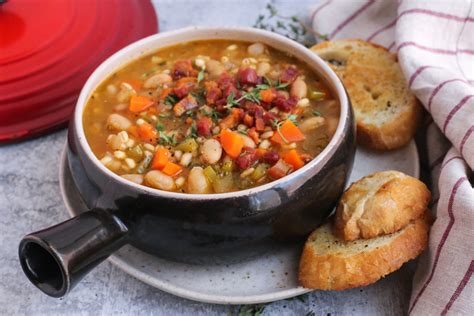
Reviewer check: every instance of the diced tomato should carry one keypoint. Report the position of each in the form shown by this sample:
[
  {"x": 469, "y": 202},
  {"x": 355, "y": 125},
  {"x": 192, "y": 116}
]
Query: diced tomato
[
  {"x": 183, "y": 68},
  {"x": 279, "y": 170},
  {"x": 185, "y": 104},
  {"x": 247, "y": 76},
  {"x": 203, "y": 126},
  {"x": 184, "y": 86},
  {"x": 289, "y": 75},
  {"x": 247, "y": 158},
  {"x": 213, "y": 93}
]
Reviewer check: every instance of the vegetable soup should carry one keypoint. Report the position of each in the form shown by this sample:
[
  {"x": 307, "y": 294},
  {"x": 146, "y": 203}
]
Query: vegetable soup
[{"x": 210, "y": 117}]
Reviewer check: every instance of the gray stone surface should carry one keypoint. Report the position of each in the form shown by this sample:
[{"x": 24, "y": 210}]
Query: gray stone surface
[{"x": 30, "y": 199}]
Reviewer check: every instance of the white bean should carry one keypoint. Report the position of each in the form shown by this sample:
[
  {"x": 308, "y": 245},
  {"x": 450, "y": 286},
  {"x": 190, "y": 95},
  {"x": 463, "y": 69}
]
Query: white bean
[
  {"x": 214, "y": 68},
  {"x": 137, "y": 178},
  {"x": 248, "y": 142},
  {"x": 263, "y": 68},
  {"x": 247, "y": 172},
  {"x": 211, "y": 151},
  {"x": 114, "y": 142},
  {"x": 256, "y": 49},
  {"x": 119, "y": 154},
  {"x": 299, "y": 89},
  {"x": 186, "y": 159},
  {"x": 157, "y": 80},
  {"x": 311, "y": 123},
  {"x": 118, "y": 122},
  {"x": 267, "y": 135},
  {"x": 112, "y": 89},
  {"x": 159, "y": 180},
  {"x": 265, "y": 144},
  {"x": 197, "y": 181}
]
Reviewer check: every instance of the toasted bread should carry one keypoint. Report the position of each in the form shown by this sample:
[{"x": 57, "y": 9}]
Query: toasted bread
[
  {"x": 380, "y": 204},
  {"x": 387, "y": 113},
  {"x": 330, "y": 263}
]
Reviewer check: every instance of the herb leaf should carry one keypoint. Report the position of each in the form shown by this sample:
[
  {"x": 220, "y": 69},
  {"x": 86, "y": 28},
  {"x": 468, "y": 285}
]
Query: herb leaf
[
  {"x": 200, "y": 76},
  {"x": 171, "y": 99},
  {"x": 165, "y": 139}
]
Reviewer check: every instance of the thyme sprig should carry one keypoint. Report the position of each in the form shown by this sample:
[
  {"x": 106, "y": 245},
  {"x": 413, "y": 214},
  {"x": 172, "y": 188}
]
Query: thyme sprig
[{"x": 290, "y": 26}]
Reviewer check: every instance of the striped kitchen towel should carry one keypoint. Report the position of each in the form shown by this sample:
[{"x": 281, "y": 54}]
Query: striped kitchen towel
[{"x": 434, "y": 41}]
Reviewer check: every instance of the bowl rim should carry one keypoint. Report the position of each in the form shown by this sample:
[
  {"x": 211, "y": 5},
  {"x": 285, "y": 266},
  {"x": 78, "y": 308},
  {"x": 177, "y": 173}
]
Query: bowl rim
[{"x": 150, "y": 44}]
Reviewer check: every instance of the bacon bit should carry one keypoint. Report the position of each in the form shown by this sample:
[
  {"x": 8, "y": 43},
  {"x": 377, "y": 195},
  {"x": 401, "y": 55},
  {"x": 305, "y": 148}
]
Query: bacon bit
[
  {"x": 247, "y": 159},
  {"x": 279, "y": 170},
  {"x": 289, "y": 75},
  {"x": 185, "y": 104},
  {"x": 259, "y": 124},
  {"x": 164, "y": 93},
  {"x": 184, "y": 86},
  {"x": 233, "y": 119},
  {"x": 252, "y": 133},
  {"x": 247, "y": 76},
  {"x": 183, "y": 68},
  {"x": 269, "y": 117},
  {"x": 271, "y": 157},
  {"x": 203, "y": 126},
  {"x": 285, "y": 105},
  {"x": 213, "y": 93},
  {"x": 225, "y": 80},
  {"x": 306, "y": 157},
  {"x": 248, "y": 120}
]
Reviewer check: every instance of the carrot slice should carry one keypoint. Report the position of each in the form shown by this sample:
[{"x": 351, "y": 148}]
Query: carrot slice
[
  {"x": 260, "y": 152},
  {"x": 139, "y": 103},
  {"x": 293, "y": 158},
  {"x": 148, "y": 133},
  {"x": 160, "y": 159},
  {"x": 232, "y": 143},
  {"x": 172, "y": 169},
  {"x": 290, "y": 132},
  {"x": 267, "y": 95},
  {"x": 164, "y": 93}
]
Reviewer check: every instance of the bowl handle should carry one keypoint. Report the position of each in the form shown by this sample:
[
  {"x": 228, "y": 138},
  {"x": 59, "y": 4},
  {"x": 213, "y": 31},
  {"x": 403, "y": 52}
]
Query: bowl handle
[{"x": 55, "y": 259}]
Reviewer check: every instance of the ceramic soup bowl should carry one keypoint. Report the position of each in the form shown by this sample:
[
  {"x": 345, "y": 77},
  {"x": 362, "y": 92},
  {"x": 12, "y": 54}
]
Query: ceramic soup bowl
[{"x": 189, "y": 227}]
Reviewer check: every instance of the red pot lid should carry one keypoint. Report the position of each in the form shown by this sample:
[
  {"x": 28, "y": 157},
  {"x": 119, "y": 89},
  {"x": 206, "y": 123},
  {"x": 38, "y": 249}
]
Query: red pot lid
[{"x": 48, "y": 49}]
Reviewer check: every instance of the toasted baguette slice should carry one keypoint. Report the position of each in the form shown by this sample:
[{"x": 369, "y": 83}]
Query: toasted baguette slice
[
  {"x": 330, "y": 263},
  {"x": 387, "y": 113},
  {"x": 380, "y": 204}
]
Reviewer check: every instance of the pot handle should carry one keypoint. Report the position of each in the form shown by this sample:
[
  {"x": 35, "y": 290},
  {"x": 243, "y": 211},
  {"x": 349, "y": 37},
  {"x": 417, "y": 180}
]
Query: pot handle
[{"x": 55, "y": 259}]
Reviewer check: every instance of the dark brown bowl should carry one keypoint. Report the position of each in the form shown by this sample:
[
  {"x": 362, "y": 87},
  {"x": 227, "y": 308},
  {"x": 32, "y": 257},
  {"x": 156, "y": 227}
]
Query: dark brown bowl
[{"x": 189, "y": 227}]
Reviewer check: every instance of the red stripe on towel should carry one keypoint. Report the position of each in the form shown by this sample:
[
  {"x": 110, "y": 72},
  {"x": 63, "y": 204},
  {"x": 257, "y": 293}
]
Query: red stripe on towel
[
  {"x": 417, "y": 73},
  {"x": 462, "y": 284},
  {"x": 442, "y": 241},
  {"x": 435, "y": 50},
  {"x": 438, "y": 87},
  {"x": 455, "y": 110},
  {"x": 465, "y": 138},
  {"x": 351, "y": 17}
]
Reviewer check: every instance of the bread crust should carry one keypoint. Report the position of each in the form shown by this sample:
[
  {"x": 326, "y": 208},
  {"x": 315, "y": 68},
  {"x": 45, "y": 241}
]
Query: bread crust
[
  {"x": 336, "y": 271},
  {"x": 380, "y": 204},
  {"x": 375, "y": 83}
]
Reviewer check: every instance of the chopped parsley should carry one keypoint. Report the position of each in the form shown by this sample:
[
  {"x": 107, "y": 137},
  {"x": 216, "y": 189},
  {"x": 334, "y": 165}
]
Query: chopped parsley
[
  {"x": 165, "y": 139},
  {"x": 316, "y": 113},
  {"x": 193, "y": 131},
  {"x": 160, "y": 127}
]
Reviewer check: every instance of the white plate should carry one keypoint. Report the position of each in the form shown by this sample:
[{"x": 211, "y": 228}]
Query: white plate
[{"x": 268, "y": 277}]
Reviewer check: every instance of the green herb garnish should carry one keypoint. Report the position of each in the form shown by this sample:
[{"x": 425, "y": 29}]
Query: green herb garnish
[
  {"x": 251, "y": 310},
  {"x": 316, "y": 113},
  {"x": 166, "y": 139},
  {"x": 193, "y": 131},
  {"x": 200, "y": 76},
  {"x": 160, "y": 127},
  {"x": 281, "y": 86},
  {"x": 171, "y": 99}
]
